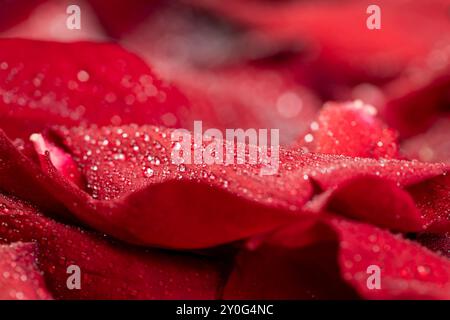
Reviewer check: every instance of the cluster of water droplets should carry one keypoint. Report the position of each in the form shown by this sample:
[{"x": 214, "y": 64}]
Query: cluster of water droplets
[
  {"x": 361, "y": 247},
  {"x": 34, "y": 93},
  {"x": 82, "y": 95},
  {"x": 119, "y": 160}
]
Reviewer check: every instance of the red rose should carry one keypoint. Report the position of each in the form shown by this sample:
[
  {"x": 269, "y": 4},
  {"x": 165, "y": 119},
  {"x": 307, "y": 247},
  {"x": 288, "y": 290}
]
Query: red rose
[{"x": 88, "y": 178}]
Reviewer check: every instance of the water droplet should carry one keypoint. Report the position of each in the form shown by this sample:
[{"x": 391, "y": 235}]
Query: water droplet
[
  {"x": 314, "y": 126},
  {"x": 309, "y": 138},
  {"x": 119, "y": 156},
  {"x": 82, "y": 76},
  {"x": 148, "y": 172},
  {"x": 423, "y": 270},
  {"x": 177, "y": 146}
]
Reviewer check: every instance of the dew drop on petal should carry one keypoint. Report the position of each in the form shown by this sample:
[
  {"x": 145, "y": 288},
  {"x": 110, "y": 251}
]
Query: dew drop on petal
[
  {"x": 148, "y": 172},
  {"x": 82, "y": 76},
  {"x": 309, "y": 138}
]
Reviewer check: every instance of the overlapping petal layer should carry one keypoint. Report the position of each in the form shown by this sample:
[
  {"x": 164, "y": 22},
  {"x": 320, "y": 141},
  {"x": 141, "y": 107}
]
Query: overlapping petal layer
[
  {"x": 332, "y": 260},
  {"x": 108, "y": 270}
]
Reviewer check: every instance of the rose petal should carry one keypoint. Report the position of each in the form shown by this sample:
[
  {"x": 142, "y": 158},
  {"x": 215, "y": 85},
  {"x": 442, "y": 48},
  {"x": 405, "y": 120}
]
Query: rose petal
[
  {"x": 47, "y": 83},
  {"x": 378, "y": 202},
  {"x": 331, "y": 171},
  {"x": 399, "y": 211},
  {"x": 108, "y": 270},
  {"x": 433, "y": 199},
  {"x": 159, "y": 208},
  {"x": 408, "y": 271},
  {"x": 305, "y": 266},
  {"x": 418, "y": 99},
  {"x": 20, "y": 176},
  {"x": 419, "y": 207},
  {"x": 21, "y": 278},
  {"x": 225, "y": 91},
  {"x": 120, "y": 191},
  {"x": 351, "y": 129},
  {"x": 350, "y": 53},
  {"x": 431, "y": 146}
]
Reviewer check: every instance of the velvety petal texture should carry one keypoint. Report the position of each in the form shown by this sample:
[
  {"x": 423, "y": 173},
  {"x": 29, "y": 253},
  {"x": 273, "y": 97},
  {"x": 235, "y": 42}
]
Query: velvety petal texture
[
  {"x": 108, "y": 270},
  {"x": 225, "y": 150}
]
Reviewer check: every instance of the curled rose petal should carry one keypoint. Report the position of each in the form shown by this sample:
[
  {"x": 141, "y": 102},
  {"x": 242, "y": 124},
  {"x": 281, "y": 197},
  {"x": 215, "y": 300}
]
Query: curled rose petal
[
  {"x": 108, "y": 270},
  {"x": 129, "y": 171},
  {"x": 330, "y": 171},
  {"x": 379, "y": 202},
  {"x": 39, "y": 18},
  {"x": 182, "y": 206},
  {"x": 119, "y": 17},
  {"x": 334, "y": 257},
  {"x": 98, "y": 172},
  {"x": 419, "y": 207},
  {"x": 94, "y": 177},
  {"x": 62, "y": 161},
  {"x": 111, "y": 153},
  {"x": 351, "y": 129},
  {"x": 420, "y": 98},
  {"x": 47, "y": 83},
  {"x": 21, "y": 278}
]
